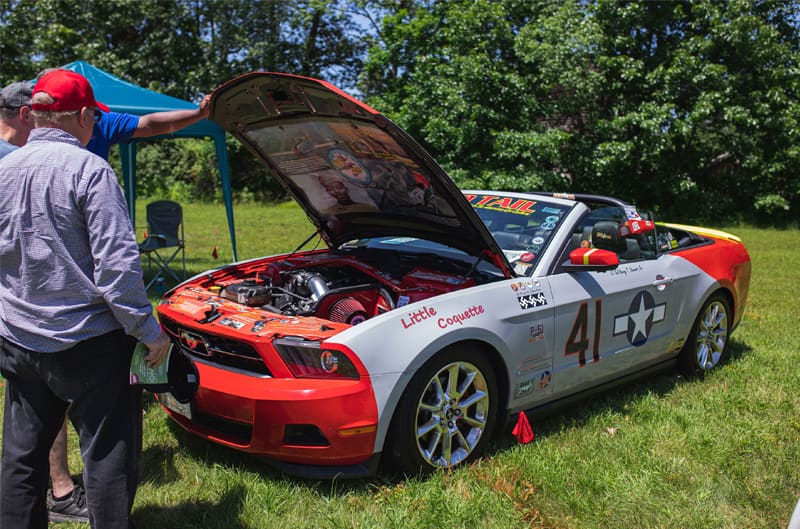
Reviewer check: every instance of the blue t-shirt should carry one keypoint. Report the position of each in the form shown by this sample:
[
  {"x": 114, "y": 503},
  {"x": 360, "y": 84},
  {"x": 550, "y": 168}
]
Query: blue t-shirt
[
  {"x": 6, "y": 147},
  {"x": 113, "y": 128}
]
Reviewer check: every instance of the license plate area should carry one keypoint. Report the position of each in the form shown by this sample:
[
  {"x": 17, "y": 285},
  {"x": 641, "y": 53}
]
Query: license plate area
[{"x": 172, "y": 404}]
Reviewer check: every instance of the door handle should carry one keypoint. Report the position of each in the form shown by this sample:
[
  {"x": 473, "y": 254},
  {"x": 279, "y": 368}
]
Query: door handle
[{"x": 662, "y": 282}]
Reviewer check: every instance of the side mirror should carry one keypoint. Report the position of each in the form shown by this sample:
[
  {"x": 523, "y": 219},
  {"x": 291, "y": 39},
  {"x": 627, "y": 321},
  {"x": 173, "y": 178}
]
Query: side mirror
[{"x": 591, "y": 260}]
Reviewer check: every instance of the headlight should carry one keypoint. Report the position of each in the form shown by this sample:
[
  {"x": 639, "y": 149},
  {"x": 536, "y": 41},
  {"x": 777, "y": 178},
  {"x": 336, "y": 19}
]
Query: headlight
[{"x": 310, "y": 360}]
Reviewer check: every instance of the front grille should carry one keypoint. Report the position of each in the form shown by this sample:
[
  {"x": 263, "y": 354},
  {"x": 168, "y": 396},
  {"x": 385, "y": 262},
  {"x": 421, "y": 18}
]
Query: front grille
[
  {"x": 216, "y": 350},
  {"x": 232, "y": 431}
]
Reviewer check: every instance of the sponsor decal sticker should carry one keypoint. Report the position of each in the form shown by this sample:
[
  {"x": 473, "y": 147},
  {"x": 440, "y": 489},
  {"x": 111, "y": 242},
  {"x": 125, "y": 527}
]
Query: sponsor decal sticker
[
  {"x": 531, "y": 300},
  {"x": 631, "y": 213},
  {"x": 545, "y": 378},
  {"x": 521, "y": 268},
  {"x": 231, "y": 323},
  {"x": 549, "y": 222},
  {"x": 533, "y": 364},
  {"x": 536, "y": 332},
  {"x": 539, "y": 383},
  {"x": 523, "y": 388},
  {"x": 514, "y": 205}
]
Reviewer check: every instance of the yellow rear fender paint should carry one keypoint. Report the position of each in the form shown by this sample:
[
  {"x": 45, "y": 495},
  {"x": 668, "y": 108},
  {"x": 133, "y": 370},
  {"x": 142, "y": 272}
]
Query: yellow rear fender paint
[{"x": 708, "y": 232}]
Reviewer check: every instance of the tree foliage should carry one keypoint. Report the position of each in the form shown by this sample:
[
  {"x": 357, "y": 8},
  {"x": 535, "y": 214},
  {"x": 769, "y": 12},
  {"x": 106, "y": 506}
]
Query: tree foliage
[
  {"x": 183, "y": 48},
  {"x": 687, "y": 107}
]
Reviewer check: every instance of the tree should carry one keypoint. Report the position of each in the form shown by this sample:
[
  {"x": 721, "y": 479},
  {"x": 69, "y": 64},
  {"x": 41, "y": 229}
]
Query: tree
[
  {"x": 183, "y": 48},
  {"x": 661, "y": 103},
  {"x": 453, "y": 80}
]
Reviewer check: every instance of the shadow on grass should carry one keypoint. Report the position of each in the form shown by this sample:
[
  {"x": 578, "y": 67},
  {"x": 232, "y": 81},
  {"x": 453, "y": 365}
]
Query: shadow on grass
[
  {"x": 222, "y": 514},
  {"x": 737, "y": 350},
  {"x": 211, "y": 454},
  {"x": 614, "y": 400},
  {"x": 157, "y": 465}
]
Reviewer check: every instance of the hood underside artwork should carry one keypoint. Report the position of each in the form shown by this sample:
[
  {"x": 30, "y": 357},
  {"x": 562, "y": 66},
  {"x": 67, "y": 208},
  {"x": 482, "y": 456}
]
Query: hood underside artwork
[{"x": 356, "y": 174}]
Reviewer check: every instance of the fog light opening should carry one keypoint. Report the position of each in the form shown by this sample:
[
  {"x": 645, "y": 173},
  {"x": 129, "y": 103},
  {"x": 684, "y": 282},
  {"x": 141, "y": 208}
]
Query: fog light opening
[{"x": 304, "y": 435}]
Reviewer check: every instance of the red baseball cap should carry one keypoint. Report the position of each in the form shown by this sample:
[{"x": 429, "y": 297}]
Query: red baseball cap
[{"x": 70, "y": 90}]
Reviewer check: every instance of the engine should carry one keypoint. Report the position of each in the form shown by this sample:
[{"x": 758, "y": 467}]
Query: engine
[{"x": 342, "y": 295}]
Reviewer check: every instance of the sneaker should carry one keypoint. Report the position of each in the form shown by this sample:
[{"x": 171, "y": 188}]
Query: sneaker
[{"x": 71, "y": 509}]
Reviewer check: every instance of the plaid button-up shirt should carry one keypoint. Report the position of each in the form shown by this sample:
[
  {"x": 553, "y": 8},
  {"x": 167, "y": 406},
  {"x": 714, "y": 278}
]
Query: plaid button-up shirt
[{"x": 69, "y": 261}]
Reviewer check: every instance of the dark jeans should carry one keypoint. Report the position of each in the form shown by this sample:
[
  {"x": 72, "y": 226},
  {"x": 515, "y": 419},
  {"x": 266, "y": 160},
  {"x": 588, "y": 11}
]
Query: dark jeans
[{"x": 89, "y": 382}]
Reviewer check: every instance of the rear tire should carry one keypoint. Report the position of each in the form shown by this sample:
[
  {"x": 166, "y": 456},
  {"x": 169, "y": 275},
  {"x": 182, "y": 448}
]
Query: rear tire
[
  {"x": 447, "y": 412},
  {"x": 707, "y": 345}
]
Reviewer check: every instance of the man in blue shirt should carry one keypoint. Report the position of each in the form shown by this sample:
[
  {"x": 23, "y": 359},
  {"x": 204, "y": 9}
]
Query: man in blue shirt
[
  {"x": 113, "y": 128},
  {"x": 73, "y": 303}
]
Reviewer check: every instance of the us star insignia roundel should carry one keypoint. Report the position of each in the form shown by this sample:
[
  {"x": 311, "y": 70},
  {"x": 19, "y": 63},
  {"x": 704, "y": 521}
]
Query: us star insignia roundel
[{"x": 639, "y": 320}]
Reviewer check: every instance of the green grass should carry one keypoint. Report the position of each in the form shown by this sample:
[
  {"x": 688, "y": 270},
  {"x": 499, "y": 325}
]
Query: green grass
[{"x": 723, "y": 452}]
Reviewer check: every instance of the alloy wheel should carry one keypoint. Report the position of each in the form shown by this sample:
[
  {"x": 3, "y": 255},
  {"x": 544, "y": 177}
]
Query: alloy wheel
[{"x": 452, "y": 414}]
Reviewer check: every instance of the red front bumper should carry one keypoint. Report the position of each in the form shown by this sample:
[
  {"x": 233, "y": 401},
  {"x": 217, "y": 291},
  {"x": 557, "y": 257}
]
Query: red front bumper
[{"x": 304, "y": 421}]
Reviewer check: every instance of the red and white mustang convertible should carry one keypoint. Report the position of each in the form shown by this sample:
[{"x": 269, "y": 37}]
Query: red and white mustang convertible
[{"x": 433, "y": 315}]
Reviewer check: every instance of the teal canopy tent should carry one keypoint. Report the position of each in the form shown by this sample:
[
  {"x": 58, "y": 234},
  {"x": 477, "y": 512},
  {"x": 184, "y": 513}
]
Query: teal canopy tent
[{"x": 122, "y": 96}]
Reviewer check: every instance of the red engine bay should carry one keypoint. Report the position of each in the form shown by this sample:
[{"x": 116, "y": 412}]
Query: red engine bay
[{"x": 330, "y": 293}]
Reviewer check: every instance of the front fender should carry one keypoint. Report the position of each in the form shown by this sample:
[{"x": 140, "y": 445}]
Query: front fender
[{"x": 395, "y": 345}]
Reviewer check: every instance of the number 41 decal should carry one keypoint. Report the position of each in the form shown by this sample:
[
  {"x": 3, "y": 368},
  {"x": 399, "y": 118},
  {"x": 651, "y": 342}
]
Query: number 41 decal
[{"x": 578, "y": 341}]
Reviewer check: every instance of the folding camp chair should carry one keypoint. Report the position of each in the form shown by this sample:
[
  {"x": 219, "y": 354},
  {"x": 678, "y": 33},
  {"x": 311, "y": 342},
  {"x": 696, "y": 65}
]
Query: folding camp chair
[{"x": 164, "y": 239}]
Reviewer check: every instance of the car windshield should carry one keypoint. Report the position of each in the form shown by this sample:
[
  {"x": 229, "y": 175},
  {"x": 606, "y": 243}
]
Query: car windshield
[{"x": 521, "y": 226}]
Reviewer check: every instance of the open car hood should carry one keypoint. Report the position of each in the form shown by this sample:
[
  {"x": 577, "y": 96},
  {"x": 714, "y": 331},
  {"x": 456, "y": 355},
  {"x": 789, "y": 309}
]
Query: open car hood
[{"x": 356, "y": 174}]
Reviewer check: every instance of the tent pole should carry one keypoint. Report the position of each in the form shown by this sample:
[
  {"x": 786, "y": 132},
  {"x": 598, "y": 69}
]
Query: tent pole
[
  {"x": 224, "y": 171},
  {"x": 128, "y": 156}
]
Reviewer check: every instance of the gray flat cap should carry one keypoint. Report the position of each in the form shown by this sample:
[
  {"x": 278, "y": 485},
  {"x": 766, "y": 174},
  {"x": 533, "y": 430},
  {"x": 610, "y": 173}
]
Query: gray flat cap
[{"x": 16, "y": 95}]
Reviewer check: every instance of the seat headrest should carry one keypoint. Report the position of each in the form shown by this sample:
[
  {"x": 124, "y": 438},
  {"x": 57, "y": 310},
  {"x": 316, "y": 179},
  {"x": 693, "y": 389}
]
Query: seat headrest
[{"x": 605, "y": 236}]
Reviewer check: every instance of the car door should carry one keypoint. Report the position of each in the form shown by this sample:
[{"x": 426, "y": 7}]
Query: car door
[{"x": 611, "y": 323}]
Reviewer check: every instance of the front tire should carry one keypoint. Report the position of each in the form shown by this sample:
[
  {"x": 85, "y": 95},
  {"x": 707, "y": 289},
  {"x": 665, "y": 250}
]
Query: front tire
[
  {"x": 446, "y": 414},
  {"x": 707, "y": 346}
]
